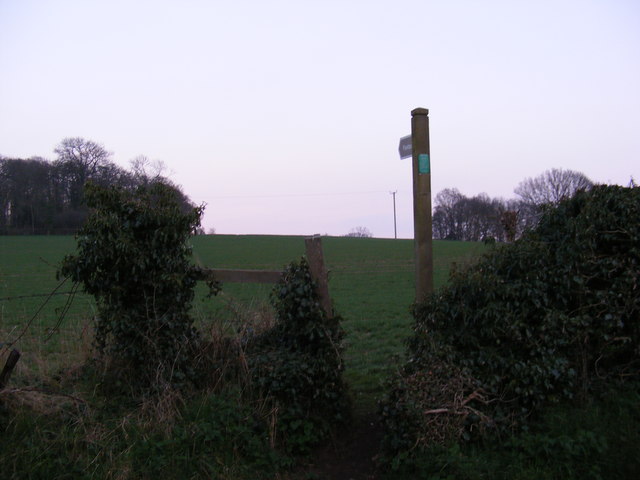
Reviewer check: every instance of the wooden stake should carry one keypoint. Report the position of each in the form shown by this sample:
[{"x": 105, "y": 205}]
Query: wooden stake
[
  {"x": 315, "y": 257},
  {"x": 14, "y": 356}
]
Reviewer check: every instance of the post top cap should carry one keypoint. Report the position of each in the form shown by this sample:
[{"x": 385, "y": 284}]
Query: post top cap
[{"x": 420, "y": 111}]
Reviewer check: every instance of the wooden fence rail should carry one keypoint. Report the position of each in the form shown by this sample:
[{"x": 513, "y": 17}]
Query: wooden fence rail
[
  {"x": 241, "y": 276},
  {"x": 315, "y": 257}
]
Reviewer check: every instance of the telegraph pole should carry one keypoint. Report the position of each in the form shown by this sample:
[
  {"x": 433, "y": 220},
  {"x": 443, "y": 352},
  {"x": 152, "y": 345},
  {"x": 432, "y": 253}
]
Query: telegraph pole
[{"x": 395, "y": 230}]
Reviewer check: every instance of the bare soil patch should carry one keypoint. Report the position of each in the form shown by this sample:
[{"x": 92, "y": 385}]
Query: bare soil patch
[{"x": 351, "y": 455}]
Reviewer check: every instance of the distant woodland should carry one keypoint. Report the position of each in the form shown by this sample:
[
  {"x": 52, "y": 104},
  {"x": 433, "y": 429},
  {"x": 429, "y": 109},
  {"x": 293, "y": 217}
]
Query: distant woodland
[
  {"x": 482, "y": 218},
  {"x": 40, "y": 196}
]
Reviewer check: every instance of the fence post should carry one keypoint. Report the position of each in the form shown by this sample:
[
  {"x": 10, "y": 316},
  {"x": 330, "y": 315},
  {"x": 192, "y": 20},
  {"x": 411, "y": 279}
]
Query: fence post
[
  {"x": 14, "y": 356},
  {"x": 315, "y": 257}
]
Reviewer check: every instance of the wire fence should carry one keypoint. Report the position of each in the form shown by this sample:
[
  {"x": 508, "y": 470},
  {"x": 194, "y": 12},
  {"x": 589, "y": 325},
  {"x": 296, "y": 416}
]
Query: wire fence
[
  {"x": 26, "y": 304},
  {"x": 354, "y": 269},
  {"x": 35, "y": 295}
]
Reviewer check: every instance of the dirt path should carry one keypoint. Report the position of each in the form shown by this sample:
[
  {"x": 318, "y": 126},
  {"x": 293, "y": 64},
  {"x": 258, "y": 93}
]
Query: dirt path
[{"x": 349, "y": 457}]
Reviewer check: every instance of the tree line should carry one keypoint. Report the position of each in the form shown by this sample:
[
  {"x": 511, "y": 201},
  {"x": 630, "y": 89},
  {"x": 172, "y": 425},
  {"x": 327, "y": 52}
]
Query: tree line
[
  {"x": 458, "y": 217},
  {"x": 40, "y": 196}
]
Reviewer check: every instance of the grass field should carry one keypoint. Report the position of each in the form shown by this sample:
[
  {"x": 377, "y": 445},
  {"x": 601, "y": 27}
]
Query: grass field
[{"x": 370, "y": 282}]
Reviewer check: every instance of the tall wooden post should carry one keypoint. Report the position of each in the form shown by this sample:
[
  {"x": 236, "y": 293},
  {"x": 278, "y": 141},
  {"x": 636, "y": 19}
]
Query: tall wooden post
[{"x": 422, "y": 225}]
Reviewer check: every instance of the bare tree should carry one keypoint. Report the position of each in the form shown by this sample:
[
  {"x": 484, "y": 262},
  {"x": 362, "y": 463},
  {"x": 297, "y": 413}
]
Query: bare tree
[
  {"x": 78, "y": 160},
  {"x": 361, "y": 232},
  {"x": 509, "y": 222},
  {"x": 549, "y": 188},
  {"x": 552, "y": 186},
  {"x": 26, "y": 203},
  {"x": 86, "y": 155},
  {"x": 457, "y": 217},
  {"x": 146, "y": 170},
  {"x": 448, "y": 217}
]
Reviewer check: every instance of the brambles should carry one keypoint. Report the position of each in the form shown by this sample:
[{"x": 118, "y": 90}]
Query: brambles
[{"x": 550, "y": 319}]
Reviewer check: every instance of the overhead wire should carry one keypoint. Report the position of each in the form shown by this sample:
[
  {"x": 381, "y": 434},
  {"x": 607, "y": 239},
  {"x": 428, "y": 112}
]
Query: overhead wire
[{"x": 287, "y": 195}]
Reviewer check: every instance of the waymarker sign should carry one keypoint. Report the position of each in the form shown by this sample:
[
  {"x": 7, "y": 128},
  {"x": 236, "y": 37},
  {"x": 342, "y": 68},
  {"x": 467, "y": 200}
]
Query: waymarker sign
[{"x": 405, "y": 148}]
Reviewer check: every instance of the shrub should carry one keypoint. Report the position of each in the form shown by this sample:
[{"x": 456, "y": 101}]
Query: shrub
[
  {"x": 297, "y": 365},
  {"x": 133, "y": 257},
  {"x": 595, "y": 441},
  {"x": 551, "y": 318}
]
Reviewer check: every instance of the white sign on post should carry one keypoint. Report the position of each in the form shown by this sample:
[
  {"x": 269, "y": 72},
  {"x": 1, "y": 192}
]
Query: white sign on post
[{"x": 405, "y": 148}]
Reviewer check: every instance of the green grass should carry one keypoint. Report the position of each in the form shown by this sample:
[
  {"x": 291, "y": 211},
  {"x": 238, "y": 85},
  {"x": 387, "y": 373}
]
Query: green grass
[
  {"x": 27, "y": 277},
  {"x": 371, "y": 282},
  {"x": 27, "y": 268}
]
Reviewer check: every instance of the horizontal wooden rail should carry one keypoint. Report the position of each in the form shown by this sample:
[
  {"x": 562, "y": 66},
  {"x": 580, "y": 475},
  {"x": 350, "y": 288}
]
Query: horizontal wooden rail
[
  {"x": 315, "y": 257},
  {"x": 241, "y": 276}
]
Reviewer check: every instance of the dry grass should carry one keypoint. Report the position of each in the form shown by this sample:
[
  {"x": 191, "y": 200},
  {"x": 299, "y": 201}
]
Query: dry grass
[
  {"x": 41, "y": 402},
  {"x": 446, "y": 398},
  {"x": 223, "y": 353},
  {"x": 50, "y": 384}
]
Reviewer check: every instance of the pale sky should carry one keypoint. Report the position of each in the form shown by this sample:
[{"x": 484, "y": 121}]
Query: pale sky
[{"x": 285, "y": 116}]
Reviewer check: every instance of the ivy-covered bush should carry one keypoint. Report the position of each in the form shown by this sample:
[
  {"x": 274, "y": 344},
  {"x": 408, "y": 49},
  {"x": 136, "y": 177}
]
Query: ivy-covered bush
[
  {"x": 297, "y": 365},
  {"x": 551, "y": 318},
  {"x": 134, "y": 258}
]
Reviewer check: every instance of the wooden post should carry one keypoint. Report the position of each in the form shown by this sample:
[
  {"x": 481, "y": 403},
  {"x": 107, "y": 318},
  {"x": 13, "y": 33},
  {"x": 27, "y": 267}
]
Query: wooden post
[
  {"x": 315, "y": 257},
  {"x": 422, "y": 225},
  {"x": 14, "y": 356}
]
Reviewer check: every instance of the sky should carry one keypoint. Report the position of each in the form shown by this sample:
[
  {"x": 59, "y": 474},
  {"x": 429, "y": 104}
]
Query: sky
[{"x": 284, "y": 116}]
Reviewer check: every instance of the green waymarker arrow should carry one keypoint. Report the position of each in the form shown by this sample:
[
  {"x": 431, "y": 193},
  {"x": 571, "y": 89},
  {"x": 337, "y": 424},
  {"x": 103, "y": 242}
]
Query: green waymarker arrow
[{"x": 424, "y": 166}]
